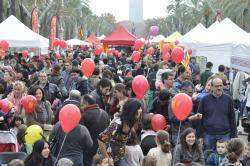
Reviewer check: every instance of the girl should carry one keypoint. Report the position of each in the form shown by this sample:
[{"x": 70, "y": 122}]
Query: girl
[
  {"x": 235, "y": 148},
  {"x": 40, "y": 155},
  {"x": 162, "y": 151},
  {"x": 43, "y": 115},
  {"x": 133, "y": 149},
  {"x": 188, "y": 150}
]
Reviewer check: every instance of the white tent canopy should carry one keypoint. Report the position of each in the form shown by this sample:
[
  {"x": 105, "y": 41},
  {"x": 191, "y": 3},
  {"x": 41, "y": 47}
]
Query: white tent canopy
[
  {"x": 157, "y": 39},
  {"x": 190, "y": 38},
  {"x": 220, "y": 42},
  {"x": 19, "y": 35},
  {"x": 77, "y": 42}
]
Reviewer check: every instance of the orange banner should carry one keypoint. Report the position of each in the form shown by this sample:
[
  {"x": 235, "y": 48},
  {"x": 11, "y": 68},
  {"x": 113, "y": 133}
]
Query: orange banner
[
  {"x": 53, "y": 30},
  {"x": 34, "y": 20}
]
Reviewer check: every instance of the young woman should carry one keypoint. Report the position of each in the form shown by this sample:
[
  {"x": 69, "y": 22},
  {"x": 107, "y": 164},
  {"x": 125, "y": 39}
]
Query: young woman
[
  {"x": 188, "y": 150},
  {"x": 43, "y": 115},
  {"x": 40, "y": 155},
  {"x": 19, "y": 91},
  {"x": 162, "y": 151},
  {"x": 119, "y": 98},
  {"x": 117, "y": 134}
]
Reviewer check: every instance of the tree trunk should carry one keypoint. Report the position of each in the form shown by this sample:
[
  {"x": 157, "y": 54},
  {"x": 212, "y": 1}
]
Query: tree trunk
[
  {"x": 13, "y": 7},
  {"x": 1, "y": 10},
  {"x": 23, "y": 15}
]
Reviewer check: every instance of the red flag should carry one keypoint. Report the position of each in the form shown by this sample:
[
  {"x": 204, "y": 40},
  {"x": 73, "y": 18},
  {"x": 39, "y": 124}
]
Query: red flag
[
  {"x": 34, "y": 20},
  {"x": 53, "y": 30}
]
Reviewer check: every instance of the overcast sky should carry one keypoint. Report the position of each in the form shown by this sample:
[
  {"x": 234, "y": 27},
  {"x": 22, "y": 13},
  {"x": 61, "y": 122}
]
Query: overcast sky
[{"x": 120, "y": 8}]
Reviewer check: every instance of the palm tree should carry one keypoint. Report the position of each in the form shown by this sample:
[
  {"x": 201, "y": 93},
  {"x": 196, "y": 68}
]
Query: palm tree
[{"x": 238, "y": 11}]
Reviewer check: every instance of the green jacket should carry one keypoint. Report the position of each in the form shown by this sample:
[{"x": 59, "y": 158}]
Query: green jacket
[{"x": 204, "y": 76}]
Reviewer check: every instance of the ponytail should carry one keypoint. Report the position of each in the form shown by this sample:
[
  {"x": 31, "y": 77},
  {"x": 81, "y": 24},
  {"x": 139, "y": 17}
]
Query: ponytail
[
  {"x": 163, "y": 139},
  {"x": 165, "y": 147}
]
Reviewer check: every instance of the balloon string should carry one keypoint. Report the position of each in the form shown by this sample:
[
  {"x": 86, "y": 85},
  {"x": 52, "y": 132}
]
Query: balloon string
[
  {"x": 177, "y": 142},
  {"x": 60, "y": 150}
]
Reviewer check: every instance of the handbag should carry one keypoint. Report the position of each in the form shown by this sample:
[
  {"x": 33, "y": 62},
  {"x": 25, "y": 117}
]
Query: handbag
[{"x": 54, "y": 144}]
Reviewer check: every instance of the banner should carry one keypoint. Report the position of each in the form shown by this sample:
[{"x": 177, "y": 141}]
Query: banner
[
  {"x": 52, "y": 36},
  {"x": 34, "y": 20},
  {"x": 80, "y": 35}
]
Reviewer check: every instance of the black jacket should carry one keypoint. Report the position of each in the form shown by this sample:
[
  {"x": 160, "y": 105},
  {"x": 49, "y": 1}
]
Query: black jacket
[
  {"x": 94, "y": 115},
  {"x": 75, "y": 143}
]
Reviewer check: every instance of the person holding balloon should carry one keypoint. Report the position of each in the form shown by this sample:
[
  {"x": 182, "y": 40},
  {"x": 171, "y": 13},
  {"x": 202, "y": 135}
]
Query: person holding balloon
[
  {"x": 42, "y": 115},
  {"x": 180, "y": 113},
  {"x": 117, "y": 134},
  {"x": 181, "y": 76},
  {"x": 69, "y": 139}
]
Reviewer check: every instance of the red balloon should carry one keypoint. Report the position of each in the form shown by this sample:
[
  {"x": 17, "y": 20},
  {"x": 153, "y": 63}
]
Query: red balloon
[
  {"x": 29, "y": 103},
  {"x": 177, "y": 55},
  {"x": 190, "y": 52},
  {"x": 158, "y": 122},
  {"x": 56, "y": 42},
  {"x": 136, "y": 56},
  {"x": 165, "y": 48},
  {"x": 88, "y": 67},
  {"x": 98, "y": 49},
  {"x": 165, "y": 56},
  {"x": 181, "y": 106},
  {"x": 138, "y": 44},
  {"x": 5, "y": 105},
  {"x": 69, "y": 117},
  {"x": 140, "y": 86},
  {"x": 63, "y": 44},
  {"x": 24, "y": 54},
  {"x": 150, "y": 50},
  {"x": 4, "y": 45}
]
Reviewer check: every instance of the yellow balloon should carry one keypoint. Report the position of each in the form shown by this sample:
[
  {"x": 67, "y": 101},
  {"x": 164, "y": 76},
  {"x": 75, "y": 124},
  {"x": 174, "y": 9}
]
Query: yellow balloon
[{"x": 33, "y": 133}]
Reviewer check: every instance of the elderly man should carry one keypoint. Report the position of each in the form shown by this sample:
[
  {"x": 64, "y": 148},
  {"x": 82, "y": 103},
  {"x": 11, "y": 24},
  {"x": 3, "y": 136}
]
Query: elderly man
[
  {"x": 218, "y": 117},
  {"x": 74, "y": 98}
]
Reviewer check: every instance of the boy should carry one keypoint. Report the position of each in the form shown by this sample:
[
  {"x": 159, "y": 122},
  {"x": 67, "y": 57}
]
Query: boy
[
  {"x": 216, "y": 158},
  {"x": 246, "y": 157}
]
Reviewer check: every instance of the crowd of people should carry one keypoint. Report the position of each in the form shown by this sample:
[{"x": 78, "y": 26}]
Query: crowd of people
[{"x": 115, "y": 127}]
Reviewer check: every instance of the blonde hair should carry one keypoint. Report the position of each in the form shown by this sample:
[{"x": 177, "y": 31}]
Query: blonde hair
[{"x": 21, "y": 85}]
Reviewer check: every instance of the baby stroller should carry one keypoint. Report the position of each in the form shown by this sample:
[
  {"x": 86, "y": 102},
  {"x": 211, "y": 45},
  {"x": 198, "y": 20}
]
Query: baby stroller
[{"x": 8, "y": 141}]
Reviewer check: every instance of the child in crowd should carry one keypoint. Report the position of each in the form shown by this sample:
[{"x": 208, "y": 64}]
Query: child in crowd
[
  {"x": 235, "y": 149},
  {"x": 162, "y": 151},
  {"x": 246, "y": 157},
  {"x": 149, "y": 161},
  {"x": 134, "y": 151},
  {"x": 99, "y": 160},
  {"x": 216, "y": 158}
]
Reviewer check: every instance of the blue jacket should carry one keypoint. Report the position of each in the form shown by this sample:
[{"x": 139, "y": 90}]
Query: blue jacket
[
  {"x": 215, "y": 159},
  {"x": 218, "y": 115}
]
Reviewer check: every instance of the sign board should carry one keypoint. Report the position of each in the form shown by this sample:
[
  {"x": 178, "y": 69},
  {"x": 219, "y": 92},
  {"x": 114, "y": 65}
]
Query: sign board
[
  {"x": 240, "y": 63},
  {"x": 202, "y": 61}
]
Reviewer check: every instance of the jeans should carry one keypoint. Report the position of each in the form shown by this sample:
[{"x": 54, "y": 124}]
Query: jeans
[
  {"x": 121, "y": 162},
  {"x": 210, "y": 140}
]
